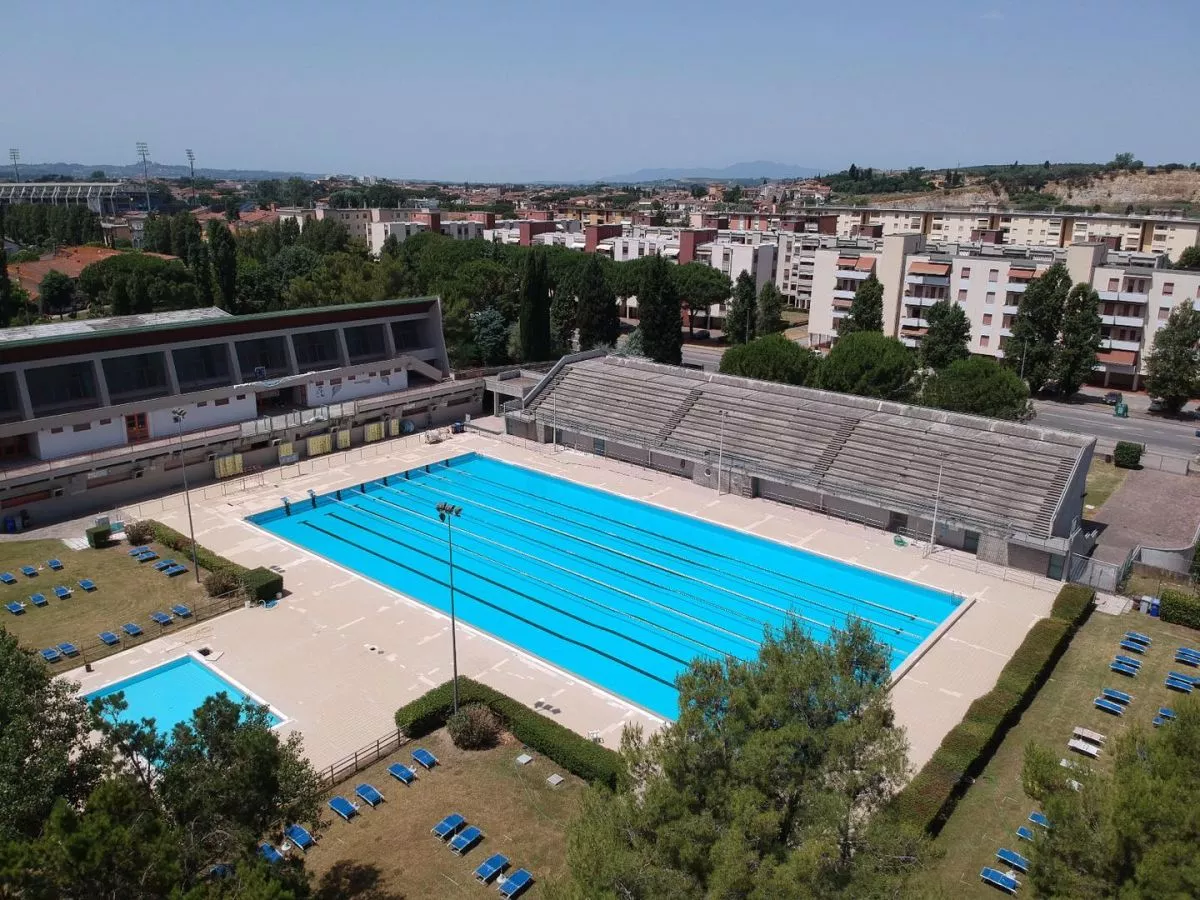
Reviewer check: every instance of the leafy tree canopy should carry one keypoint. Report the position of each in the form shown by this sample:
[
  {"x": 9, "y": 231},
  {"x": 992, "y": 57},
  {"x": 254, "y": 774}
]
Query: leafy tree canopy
[
  {"x": 772, "y": 358},
  {"x": 946, "y": 340},
  {"x": 1080, "y": 340},
  {"x": 1033, "y": 347},
  {"x": 866, "y": 310},
  {"x": 742, "y": 314},
  {"x": 1173, "y": 369},
  {"x": 870, "y": 365},
  {"x": 979, "y": 386}
]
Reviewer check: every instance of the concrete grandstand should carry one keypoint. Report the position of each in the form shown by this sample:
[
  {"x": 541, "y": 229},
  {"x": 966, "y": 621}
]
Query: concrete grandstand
[{"x": 1011, "y": 493}]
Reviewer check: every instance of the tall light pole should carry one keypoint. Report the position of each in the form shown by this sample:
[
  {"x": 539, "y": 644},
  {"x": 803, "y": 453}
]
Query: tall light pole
[
  {"x": 448, "y": 512},
  {"x": 192, "y": 165},
  {"x": 936, "y": 500},
  {"x": 143, "y": 150},
  {"x": 179, "y": 414},
  {"x": 14, "y": 156},
  {"x": 721, "y": 450}
]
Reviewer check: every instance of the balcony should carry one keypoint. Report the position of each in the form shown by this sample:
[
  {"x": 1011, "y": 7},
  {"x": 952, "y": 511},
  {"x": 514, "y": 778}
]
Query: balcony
[
  {"x": 1110, "y": 344},
  {"x": 908, "y": 342},
  {"x": 1126, "y": 321},
  {"x": 1005, "y": 332},
  {"x": 1011, "y": 309},
  {"x": 856, "y": 274},
  {"x": 1123, "y": 297},
  {"x": 843, "y": 295},
  {"x": 919, "y": 301},
  {"x": 841, "y": 313},
  {"x": 913, "y": 322},
  {"x": 1016, "y": 287},
  {"x": 940, "y": 280}
]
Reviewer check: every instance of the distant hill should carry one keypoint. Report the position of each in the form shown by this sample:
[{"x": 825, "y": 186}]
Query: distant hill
[
  {"x": 34, "y": 171},
  {"x": 742, "y": 171}
]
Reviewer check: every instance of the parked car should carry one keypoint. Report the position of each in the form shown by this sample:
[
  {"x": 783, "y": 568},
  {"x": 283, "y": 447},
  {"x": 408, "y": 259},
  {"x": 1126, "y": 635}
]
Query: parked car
[
  {"x": 1112, "y": 398},
  {"x": 1157, "y": 405},
  {"x": 702, "y": 335}
]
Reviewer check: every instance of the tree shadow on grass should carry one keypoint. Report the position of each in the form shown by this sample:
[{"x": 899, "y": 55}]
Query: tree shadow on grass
[{"x": 353, "y": 881}]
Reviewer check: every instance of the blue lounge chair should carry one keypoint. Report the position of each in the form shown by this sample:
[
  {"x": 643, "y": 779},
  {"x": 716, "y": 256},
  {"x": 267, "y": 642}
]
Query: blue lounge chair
[
  {"x": 164, "y": 564},
  {"x": 403, "y": 773},
  {"x": 109, "y": 638},
  {"x": 55, "y": 565},
  {"x": 1120, "y": 696},
  {"x": 1166, "y": 712},
  {"x": 1013, "y": 858},
  {"x": 1159, "y": 721},
  {"x": 299, "y": 836},
  {"x": 161, "y": 618},
  {"x": 180, "y": 610},
  {"x": 138, "y": 551},
  {"x": 15, "y": 608},
  {"x": 1189, "y": 652},
  {"x": 37, "y": 599},
  {"x": 146, "y": 557},
  {"x": 1187, "y": 659},
  {"x": 66, "y": 648},
  {"x": 175, "y": 570},
  {"x": 8, "y": 577},
  {"x": 996, "y": 878},
  {"x": 1129, "y": 660},
  {"x": 515, "y": 883},
  {"x": 29, "y": 571},
  {"x": 50, "y": 654},
  {"x": 448, "y": 826},
  {"x": 1132, "y": 647},
  {"x": 368, "y": 795},
  {"x": 87, "y": 584},
  {"x": 270, "y": 854},
  {"x": 1175, "y": 684},
  {"x": 343, "y": 808},
  {"x": 132, "y": 629},
  {"x": 1109, "y": 707},
  {"x": 424, "y": 758},
  {"x": 491, "y": 867},
  {"x": 1038, "y": 818},
  {"x": 1123, "y": 668},
  {"x": 1179, "y": 676},
  {"x": 1025, "y": 833},
  {"x": 465, "y": 840},
  {"x": 1139, "y": 637},
  {"x": 62, "y": 592}
]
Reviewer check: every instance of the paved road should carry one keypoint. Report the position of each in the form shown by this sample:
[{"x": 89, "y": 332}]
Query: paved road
[
  {"x": 700, "y": 357},
  {"x": 1173, "y": 438}
]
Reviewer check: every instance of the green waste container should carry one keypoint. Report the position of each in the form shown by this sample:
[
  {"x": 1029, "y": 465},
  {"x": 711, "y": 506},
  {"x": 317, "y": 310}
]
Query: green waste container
[{"x": 1121, "y": 410}]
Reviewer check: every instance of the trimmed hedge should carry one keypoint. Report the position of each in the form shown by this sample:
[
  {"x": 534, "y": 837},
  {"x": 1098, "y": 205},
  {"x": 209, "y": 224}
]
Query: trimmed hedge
[
  {"x": 576, "y": 754},
  {"x": 260, "y": 583},
  {"x": 98, "y": 535},
  {"x": 1179, "y": 608},
  {"x": 1127, "y": 455},
  {"x": 927, "y": 801}
]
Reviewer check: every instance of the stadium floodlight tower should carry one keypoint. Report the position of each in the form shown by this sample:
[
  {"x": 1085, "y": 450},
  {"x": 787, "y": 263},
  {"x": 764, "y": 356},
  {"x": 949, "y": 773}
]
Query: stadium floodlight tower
[
  {"x": 448, "y": 512},
  {"x": 143, "y": 150},
  {"x": 192, "y": 165},
  {"x": 14, "y": 156}
]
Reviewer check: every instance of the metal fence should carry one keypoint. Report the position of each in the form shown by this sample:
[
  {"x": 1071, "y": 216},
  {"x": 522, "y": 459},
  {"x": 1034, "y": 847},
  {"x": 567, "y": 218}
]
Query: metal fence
[{"x": 350, "y": 765}]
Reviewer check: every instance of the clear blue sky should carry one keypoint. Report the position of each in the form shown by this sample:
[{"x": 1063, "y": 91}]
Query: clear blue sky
[{"x": 548, "y": 89}]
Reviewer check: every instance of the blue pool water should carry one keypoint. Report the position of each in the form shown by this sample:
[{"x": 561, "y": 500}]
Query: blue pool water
[
  {"x": 619, "y": 592},
  {"x": 170, "y": 693}
]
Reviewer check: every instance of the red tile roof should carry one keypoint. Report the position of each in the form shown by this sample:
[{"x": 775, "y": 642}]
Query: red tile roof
[{"x": 71, "y": 261}]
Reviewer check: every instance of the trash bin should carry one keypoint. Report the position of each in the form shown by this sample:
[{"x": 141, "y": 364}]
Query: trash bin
[
  {"x": 1154, "y": 607},
  {"x": 1121, "y": 410}
]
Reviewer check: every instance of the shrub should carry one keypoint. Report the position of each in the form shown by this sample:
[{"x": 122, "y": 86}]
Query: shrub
[
  {"x": 1128, "y": 455},
  {"x": 1073, "y": 604},
  {"x": 220, "y": 582},
  {"x": 1195, "y": 569},
  {"x": 473, "y": 727},
  {"x": 262, "y": 584},
  {"x": 1179, "y": 608},
  {"x": 98, "y": 536},
  {"x": 574, "y": 753},
  {"x": 138, "y": 533}
]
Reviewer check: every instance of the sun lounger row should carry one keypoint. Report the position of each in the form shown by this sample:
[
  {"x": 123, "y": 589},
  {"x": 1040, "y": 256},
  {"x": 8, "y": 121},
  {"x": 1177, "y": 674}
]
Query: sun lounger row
[
  {"x": 111, "y": 638},
  {"x": 30, "y": 571},
  {"x": 1188, "y": 656}
]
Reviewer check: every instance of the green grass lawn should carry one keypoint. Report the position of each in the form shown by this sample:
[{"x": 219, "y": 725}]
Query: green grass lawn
[
  {"x": 988, "y": 815},
  {"x": 391, "y": 848},
  {"x": 1102, "y": 480},
  {"x": 127, "y": 591}
]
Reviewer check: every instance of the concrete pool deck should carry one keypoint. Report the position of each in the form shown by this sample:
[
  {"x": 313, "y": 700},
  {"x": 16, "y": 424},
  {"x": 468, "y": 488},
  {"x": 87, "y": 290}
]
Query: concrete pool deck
[{"x": 340, "y": 653}]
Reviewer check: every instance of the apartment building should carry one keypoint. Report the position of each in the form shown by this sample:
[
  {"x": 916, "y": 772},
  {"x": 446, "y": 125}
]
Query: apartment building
[
  {"x": 417, "y": 223},
  {"x": 90, "y": 405}
]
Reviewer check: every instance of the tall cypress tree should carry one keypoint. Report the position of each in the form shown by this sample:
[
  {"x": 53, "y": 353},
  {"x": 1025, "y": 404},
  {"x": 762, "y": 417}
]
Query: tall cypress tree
[
  {"x": 742, "y": 312},
  {"x": 534, "y": 309},
  {"x": 596, "y": 314},
  {"x": 1080, "y": 339},
  {"x": 658, "y": 309},
  {"x": 1033, "y": 346},
  {"x": 223, "y": 251},
  {"x": 866, "y": 309}
]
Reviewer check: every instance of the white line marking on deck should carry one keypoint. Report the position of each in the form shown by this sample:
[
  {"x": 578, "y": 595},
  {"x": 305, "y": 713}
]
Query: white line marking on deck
[{"x": 351, "y": 622}]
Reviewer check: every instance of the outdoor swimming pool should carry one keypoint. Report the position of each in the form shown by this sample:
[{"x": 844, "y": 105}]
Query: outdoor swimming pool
[
  {"x": 619, "y": 592},
  {"x": 170, "y": 693}
]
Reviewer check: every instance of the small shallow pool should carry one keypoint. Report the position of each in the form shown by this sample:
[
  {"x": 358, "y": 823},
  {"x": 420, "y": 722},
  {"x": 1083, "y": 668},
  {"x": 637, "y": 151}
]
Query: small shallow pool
[{"x": 170, "y": 693}]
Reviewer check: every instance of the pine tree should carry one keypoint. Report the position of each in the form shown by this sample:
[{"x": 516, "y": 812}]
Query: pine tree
[
  {"x": 770, "y": 310},
  {"x": 1174, "y": 363},
  {"x": 596, "y": 313},
  {"x": 866, "y": 309},
  {"x": 562, "y": 322},
  {"x": 743, "y": 308},
  {"x": 201, "y": 267},
  {"x": 659, "y": 313},
  {"x": 223, "y": 251},
  {"x": 1080, "y": 340},
  {"x": 119, "y": 301},
  {"x": 946, "y": 340},
  {"x": 534, "y": 309},
  {"x": 1032, "y": 349}
]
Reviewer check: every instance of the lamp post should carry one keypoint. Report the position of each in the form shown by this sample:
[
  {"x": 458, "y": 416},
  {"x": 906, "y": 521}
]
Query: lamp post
[
  {"x": 179, "y": 414},
  {"x": 448, "y": 512},
  {"x": 936, "y": 500},
  {"x": 721, "y": 450}
]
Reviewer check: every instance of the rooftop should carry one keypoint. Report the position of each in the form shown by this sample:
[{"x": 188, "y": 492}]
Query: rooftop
[{"x": 72, "y": 327}]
